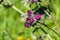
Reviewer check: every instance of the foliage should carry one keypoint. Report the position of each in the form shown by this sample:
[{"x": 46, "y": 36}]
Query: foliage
[{"x": 11, "y": 25}]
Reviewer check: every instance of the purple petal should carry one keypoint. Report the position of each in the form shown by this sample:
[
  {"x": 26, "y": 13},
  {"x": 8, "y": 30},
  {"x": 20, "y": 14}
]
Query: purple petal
[
  {"x": 31, "y": 19},
  {"x": 37, "y": 16},
  {"x": 29, "y": 13},
  {"x": 26, "y": 24}
]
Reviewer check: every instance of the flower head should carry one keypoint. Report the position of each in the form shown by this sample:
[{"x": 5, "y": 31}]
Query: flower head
[
  {"x": 37, "y": 16},
  {"x": 31, "y": 19},
  {"x": 29, "y": 13},
  {"x": 26, "y": 24}
]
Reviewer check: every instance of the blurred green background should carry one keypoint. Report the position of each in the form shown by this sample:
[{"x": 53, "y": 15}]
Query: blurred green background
[{"x": 11, "y": 25}]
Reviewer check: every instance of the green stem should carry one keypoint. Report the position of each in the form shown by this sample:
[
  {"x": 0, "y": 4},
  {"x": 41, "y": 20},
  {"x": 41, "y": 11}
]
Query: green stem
[
  {"x": 49, "y": 28},
  {"x": 54, "y": 21}
]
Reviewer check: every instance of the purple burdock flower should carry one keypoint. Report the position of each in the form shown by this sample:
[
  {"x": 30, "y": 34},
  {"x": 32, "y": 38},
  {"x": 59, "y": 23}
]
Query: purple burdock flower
[
  {"x": 26, "y": 24},
  {"x": 32, "y": 1},
  {"x": 31, "y": 19},
  {"x": 37, "y": 16},
  {"x": 29, "y": 13}
]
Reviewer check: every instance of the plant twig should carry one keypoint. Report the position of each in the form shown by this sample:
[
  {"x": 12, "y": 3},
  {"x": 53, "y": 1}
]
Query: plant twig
[
  {"x": 49, "y": 37},
  {"x": 54, "y": 21},
  {"x": 15, "y": 8},
  {"x": 49, "y": 28},
  {"x": 51, "y": 17},
  {"x": 43, "y": 31}
]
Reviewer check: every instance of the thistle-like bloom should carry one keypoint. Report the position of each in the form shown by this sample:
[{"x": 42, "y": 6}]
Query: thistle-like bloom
[
  {"x": 37, "y": 16},
  {"x": 31, "y": 19},
  {"x": 26, "y": 24},
  {"x": 29, "y": 13}
]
